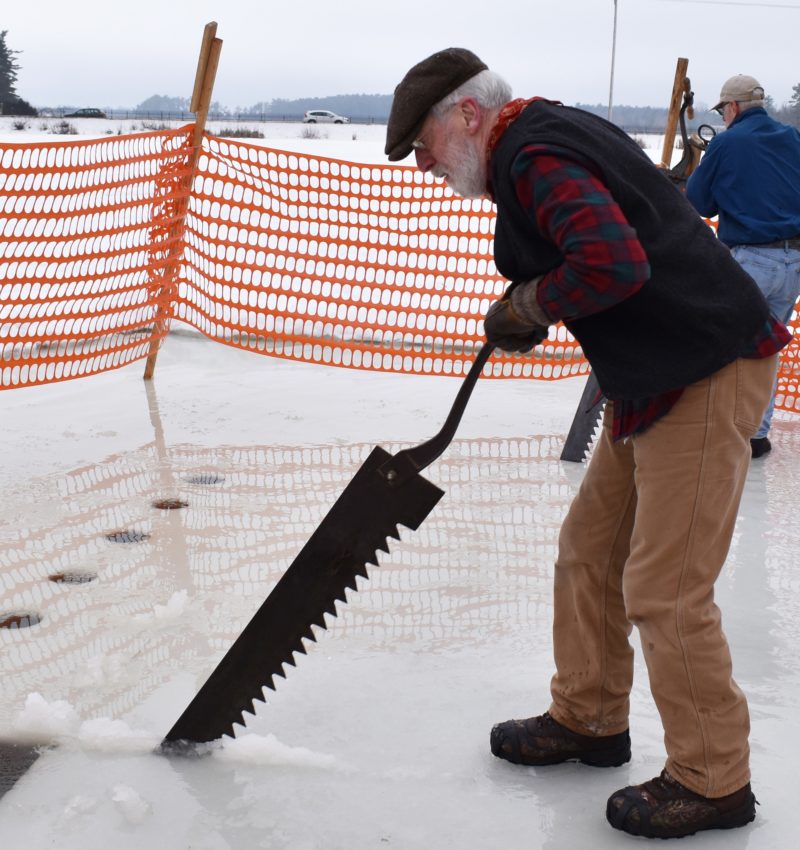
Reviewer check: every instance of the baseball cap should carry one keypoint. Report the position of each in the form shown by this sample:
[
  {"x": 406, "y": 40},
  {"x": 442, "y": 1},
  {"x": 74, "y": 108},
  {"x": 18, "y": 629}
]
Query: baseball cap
[{"x": 740, "y": 88}]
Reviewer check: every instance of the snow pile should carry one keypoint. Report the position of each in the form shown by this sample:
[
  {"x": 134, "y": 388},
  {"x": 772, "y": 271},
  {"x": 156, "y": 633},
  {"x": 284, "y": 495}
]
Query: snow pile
[
  {"x": 130, "y": 803},
  {"x": 41, "y": 723},
  {"x": 174, "y": 607},
  {"x": 267, "y": 750}
]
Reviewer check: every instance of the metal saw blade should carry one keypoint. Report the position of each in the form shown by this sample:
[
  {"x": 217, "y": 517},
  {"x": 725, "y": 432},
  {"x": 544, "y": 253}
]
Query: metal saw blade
[{"x": 364, "y": 517}]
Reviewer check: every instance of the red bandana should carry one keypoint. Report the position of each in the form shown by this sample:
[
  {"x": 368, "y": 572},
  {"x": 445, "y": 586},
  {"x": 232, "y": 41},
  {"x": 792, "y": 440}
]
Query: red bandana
[{"x": 507, "y": 116}]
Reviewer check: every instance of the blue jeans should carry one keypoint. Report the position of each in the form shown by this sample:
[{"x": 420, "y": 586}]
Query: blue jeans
[{"x": 777, "y": 273}]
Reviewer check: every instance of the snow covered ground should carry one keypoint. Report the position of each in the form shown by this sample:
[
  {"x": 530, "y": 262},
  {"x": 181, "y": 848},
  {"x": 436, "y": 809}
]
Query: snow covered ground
[
  {"x": 379, "y": 738},
  {"x": 353, "y": 142}
]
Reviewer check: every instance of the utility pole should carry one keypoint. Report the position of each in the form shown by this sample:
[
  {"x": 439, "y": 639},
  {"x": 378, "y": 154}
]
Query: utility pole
[{"x": 613, "y": 54}]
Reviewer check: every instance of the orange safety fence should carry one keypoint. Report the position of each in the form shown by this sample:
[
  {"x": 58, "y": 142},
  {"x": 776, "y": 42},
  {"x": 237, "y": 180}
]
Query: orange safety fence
[
  {"x": 86, "y": 231},
  {"x": 363, "y": 266},
  {"x": 105, "y": 242}
]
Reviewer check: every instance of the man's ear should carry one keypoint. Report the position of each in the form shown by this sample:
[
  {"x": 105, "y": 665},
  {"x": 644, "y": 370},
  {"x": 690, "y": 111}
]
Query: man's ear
[{"x": 471, "y": 114}]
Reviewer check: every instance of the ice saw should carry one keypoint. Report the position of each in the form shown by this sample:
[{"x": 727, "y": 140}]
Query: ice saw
[{"x": 387, "y": 491}]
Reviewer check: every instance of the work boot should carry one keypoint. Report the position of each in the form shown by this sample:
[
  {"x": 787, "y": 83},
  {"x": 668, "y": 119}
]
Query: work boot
[
  {"x": 760, "y": 446},
  {"x": 543, "y": 740},
  {"x": 663, "y": 808}
]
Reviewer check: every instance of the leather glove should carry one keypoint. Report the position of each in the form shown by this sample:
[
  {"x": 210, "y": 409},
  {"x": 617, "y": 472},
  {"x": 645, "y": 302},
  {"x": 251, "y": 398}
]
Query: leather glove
[{"x": 507, "y": 330}]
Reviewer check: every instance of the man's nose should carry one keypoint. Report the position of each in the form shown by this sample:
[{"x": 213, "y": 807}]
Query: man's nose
[{"x": 425, "y": 161}]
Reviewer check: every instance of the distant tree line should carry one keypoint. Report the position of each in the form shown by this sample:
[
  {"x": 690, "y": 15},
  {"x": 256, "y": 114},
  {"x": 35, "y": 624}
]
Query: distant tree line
[
  {"x": 358, "y": 107},
  {"x": 641, "y": 119},
  {"x": 374, "y": 108},
  {"x": 789, "y": 113}
]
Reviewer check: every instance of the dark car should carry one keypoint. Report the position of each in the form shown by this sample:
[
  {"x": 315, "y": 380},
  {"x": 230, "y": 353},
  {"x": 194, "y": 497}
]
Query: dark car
[{"x": 86, "y": 113}]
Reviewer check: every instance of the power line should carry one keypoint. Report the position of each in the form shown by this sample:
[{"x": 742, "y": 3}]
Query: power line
[{"x": 734, "y": 3}]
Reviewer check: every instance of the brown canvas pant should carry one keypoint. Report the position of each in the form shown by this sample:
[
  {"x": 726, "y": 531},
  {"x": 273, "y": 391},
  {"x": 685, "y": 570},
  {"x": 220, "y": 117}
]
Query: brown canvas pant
[{"x": 642, "y": 544}]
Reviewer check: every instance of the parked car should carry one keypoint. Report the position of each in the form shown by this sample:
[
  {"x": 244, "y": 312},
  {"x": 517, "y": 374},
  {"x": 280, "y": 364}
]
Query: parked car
[
  {"x": 86, "y": 113},
  {"x": 324, "y": 116}
]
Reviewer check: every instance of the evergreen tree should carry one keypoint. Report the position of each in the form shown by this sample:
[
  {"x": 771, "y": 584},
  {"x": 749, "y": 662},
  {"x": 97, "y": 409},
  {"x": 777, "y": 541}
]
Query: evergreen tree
[
  {"x": 8, "y": 70},
  {"x": 10, "y": 102},
  {"x": 794, "y": 101},
  {"x": 789, "y": 113}
]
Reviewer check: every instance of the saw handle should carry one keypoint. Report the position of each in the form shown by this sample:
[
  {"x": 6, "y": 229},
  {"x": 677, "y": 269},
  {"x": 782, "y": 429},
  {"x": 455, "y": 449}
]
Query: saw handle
[
  {"x": 410, "y": 461},
  {"x": 413, "y": 460}
]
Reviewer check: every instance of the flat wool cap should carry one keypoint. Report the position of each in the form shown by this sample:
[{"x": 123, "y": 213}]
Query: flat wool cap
[
  {"x": 421, "y": 89},
  {"x": 740, "y": 88}
]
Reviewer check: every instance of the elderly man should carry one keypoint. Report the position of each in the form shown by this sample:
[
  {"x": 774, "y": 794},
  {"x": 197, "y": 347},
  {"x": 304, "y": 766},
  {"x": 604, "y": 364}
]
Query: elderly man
[
  {"x": 750, "y": 177},
  {"x": 684, "y": 347}
]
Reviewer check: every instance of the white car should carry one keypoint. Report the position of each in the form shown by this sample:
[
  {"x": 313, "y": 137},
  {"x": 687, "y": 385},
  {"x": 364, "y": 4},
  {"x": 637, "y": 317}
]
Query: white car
[{"x": 324, "y": 116}]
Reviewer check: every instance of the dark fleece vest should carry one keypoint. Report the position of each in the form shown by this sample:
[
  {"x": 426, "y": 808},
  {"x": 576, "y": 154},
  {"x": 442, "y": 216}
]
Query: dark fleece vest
[{"x": 698, "y": 311}]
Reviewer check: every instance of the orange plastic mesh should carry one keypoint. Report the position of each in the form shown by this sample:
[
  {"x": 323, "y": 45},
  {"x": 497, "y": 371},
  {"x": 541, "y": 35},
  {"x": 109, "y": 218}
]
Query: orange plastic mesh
[
  {"x": 292, "y": 255},
  {"x": 787, "y": 395},
  {"x": 86, "y": 230},
  {"x": 363, "y": 266}
]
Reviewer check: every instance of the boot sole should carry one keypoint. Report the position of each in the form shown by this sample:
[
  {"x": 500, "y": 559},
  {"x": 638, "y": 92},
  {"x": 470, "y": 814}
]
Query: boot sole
[
  {"x": 598, "y": 759},
  {"x": 507, "y": 742},
  {"x": 606, "y": 759},
  {"x": 728, "y": 820}
]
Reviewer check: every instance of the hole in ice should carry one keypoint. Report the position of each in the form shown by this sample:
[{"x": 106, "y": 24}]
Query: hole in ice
[
  {"x": 72, "y": 577},
  {"x": 127, "y": 536},
  {"x": 170, "y": 504},
  {"x": 205, "y": 478},
  {"x": 19, "y": 621}
]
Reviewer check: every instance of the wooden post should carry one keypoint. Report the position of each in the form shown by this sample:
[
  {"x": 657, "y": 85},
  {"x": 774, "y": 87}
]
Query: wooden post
[
  {"x": 207, "y": 64},
  {"x": 678, "y": 87}
]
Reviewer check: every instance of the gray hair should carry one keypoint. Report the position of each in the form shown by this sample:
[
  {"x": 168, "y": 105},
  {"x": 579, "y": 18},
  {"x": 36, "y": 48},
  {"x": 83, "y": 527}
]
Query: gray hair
[
  {"x": 487, "y": 87},
  {"x": 744, "y": 105}
]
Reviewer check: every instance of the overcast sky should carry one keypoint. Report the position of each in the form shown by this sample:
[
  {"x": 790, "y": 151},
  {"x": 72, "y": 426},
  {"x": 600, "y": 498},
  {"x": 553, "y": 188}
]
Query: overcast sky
[{"x": 98, "y": 53}]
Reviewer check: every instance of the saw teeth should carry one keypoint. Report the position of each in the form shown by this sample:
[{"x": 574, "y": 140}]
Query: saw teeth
[
  {"x": 247, "y": 706},
  {"x": 337, "y": 561}
]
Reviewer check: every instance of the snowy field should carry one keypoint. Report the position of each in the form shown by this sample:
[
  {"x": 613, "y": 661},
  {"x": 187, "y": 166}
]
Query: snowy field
[
  {"x": 351, "y": 142},
  {"x": 379, "y": 738}
]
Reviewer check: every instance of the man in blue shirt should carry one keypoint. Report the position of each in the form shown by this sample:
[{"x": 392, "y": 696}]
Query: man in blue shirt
[{"x": 750, "y": 177}]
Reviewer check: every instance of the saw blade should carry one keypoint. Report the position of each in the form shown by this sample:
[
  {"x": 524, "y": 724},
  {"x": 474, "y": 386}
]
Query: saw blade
[{"x": 357, "y": 527}]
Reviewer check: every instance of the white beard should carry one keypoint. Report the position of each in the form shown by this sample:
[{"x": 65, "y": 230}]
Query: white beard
[{"x": 466, "y": 174}]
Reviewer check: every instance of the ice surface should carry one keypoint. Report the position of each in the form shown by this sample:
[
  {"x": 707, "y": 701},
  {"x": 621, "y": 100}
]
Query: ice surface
[{"x": 379, "y": 737}]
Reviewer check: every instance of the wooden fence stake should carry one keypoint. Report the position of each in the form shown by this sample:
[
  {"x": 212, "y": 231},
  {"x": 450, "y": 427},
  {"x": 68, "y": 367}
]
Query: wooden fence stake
[
  {"x": 678, "y": 87},
  {"x": 207, "y": 64}
]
